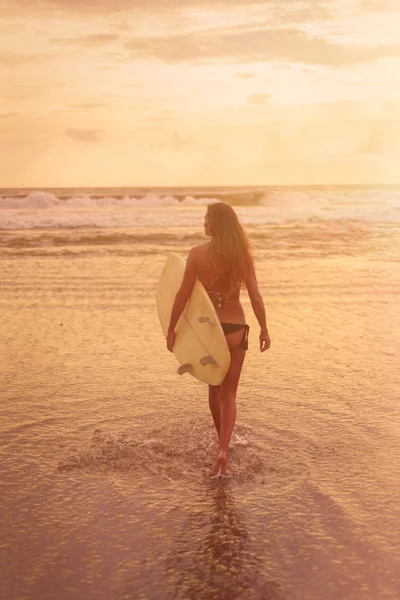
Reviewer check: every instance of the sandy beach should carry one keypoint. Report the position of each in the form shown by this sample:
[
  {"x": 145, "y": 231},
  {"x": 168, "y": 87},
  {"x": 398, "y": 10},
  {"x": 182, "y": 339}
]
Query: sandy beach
[{"x": 106, "y": 451}]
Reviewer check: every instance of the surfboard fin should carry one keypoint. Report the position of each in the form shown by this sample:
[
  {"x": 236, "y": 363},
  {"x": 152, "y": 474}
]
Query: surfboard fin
[
  {"x": 208, "y": 360},
  {"x": 205, "y": 320},
  {"x": 186, "y": 368}
]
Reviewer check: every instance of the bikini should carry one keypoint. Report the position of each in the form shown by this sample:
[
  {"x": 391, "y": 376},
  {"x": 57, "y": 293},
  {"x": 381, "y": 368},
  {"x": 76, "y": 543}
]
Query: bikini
[{"x": 218, "y": 299}]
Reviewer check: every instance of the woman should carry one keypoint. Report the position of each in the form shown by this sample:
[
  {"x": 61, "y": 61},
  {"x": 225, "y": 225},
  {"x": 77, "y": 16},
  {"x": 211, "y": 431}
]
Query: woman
[{"x": 223, "y": 265}]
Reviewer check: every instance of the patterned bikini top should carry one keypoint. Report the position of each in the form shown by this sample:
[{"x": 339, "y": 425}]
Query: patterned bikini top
[
  {"x": 217, "y": 298},
  {"x": 220, "y": 298}
]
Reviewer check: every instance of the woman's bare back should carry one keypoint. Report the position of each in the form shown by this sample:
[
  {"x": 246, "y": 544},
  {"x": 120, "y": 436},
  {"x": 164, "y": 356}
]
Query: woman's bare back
[{"x": 231, "y": 310}]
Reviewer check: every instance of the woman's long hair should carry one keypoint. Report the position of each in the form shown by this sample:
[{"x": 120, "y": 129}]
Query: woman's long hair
[{"x": 230, "y": 249}]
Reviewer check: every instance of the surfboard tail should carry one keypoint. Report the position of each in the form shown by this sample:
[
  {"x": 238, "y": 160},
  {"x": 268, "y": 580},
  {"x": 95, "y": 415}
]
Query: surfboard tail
[
  {"x": 186, "y": 368},
  {"x": 208, "y": 360}
]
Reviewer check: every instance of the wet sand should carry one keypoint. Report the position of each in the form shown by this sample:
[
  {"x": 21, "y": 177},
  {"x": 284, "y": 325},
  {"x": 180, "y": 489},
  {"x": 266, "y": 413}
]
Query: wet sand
[{"x": 106, "y": 452}]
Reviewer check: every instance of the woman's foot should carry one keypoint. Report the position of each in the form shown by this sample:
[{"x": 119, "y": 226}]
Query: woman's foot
[{"x": 219, "y": 468}]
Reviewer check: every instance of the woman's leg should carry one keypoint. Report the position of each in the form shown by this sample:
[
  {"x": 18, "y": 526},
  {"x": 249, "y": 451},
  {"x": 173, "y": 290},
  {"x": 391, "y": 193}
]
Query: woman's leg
[
  {"x": 227, "y": 397},
  {"x": 215, "y": 406}
]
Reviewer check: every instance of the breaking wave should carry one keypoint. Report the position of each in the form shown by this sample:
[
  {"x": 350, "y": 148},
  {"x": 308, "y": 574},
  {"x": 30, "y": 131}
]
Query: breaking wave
[
  {"x": 108, "y": 209},
  {"x": 46, "y": 200}
]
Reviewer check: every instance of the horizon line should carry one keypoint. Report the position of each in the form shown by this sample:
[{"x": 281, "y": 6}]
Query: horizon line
[{"x": 193, "y": 186}]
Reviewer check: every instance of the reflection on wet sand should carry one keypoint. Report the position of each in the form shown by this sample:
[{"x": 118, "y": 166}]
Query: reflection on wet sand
[
  {"x": 214, "y": 557},
  {"x": 106, "y": 453}
]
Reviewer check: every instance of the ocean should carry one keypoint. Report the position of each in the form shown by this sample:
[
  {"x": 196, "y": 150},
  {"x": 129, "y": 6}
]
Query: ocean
[{"x": 105, "y": 489}]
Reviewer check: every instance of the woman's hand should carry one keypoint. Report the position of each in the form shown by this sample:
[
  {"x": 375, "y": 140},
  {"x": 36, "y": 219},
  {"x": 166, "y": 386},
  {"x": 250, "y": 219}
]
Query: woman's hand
[
  {"x": 170, "y": 340},
  {"x": 265, "y": 341}
]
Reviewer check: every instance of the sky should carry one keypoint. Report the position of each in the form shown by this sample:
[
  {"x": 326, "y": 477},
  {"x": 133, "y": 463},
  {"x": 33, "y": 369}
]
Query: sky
[{"x": 199, "y": 92}]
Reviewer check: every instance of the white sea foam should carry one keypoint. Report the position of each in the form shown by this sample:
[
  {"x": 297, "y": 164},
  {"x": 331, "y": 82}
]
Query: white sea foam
[
  {"x": 44, "y": 209},
  {"x": 45, "y": 200}
]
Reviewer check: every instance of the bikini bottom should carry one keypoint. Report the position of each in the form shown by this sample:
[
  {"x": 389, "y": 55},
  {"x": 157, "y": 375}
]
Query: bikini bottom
[{"x": 228, "y": 328}]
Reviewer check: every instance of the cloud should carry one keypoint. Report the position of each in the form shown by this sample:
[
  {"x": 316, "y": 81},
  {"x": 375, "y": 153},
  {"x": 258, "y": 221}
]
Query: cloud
[
  {"x": 88, "y": 105},
  {"x": 245, "y": 75},
  {"x": 382, "y": 137},
  {"x": 380, "y": 6},
  {"x": 9, "y": 115},
  {"x": 254, "y": 46},
  {"x": 143, "y": 6},
  {"x": 85, "y": 135},
  {"x": 15, "y": 60},
  {"x": 257, "y": 99},
  {"x": 82, "y": 106},
  {"x": 96, "y": 39}
]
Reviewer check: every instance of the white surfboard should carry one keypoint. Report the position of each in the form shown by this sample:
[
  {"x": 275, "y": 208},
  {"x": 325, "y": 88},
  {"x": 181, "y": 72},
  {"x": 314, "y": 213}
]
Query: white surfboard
[{"x": 200, "y": 344}]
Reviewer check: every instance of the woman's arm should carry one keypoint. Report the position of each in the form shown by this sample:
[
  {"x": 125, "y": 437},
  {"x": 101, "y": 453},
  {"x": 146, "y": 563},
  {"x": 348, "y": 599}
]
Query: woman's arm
[
  {"x": 257, "y": 304},
  {"x": 181, "y": 298}
]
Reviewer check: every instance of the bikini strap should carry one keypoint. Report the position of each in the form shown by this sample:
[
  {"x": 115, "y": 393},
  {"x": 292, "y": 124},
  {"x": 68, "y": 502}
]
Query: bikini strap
[{"x": 218, "y": 299}]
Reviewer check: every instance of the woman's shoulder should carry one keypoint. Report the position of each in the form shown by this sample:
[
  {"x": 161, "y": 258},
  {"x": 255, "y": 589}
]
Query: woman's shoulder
[
  {"x": 200, "y": 249},
  {"x": 199, "y": 255}
]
